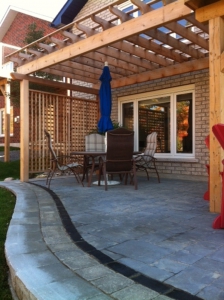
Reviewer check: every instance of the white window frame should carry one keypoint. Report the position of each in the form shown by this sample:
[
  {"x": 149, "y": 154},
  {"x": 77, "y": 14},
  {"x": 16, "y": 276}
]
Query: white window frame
[
  {"x": 172, "y": 92},
  {"x": 2, "y": 110}
]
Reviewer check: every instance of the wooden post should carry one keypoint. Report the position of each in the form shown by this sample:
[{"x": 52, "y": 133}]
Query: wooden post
[
  {"x": 216, "y": 81},
  {"x": 24, "y": 130},
  {"x": 7, "y": 122}
]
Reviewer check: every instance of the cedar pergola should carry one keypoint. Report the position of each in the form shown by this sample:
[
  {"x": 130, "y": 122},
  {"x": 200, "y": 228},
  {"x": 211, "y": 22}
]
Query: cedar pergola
[{"x": 149, "y": 42}]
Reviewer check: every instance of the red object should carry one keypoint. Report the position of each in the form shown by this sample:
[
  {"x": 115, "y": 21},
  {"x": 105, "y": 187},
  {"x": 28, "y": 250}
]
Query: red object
[
  {"x": 219, "y": 221},
  {"x": 218, "y": 131},
  {"x": 206, "y": 194},
  {"x": 207, "y": 141}
]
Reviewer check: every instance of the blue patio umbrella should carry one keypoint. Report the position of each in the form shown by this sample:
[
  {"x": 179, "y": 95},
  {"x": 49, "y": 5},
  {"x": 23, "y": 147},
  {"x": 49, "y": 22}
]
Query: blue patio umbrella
[{"x": 105, "y": 122}]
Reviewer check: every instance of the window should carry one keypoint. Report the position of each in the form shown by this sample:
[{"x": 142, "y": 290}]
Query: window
[
  {"x": 168, "y": 112},
  {"x": 2, "y": 122}
]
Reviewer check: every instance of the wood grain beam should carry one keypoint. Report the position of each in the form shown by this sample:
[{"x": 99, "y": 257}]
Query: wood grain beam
[
  {"x": 176, "y": 69},
  {"x": 97, "y": 10},
  {"x": 46, "y": 47},
  {"x": 178, "y": 29},
  {"x": 222, "y": 62},
  {"x": 71, "y": 65},
  {"x": 58, "y": 43},
  {"x": 35, "y": 53},
  {"x": 3, "y": 82},
  {"x": 209, "y": 12},
  {"x": 175, "y": 43},
  {"x": 24, "y": 130},
  {"x": 129, "y": 47},
  {"x": 56, "y": 84},
  {"x": 66, "y": 71},
  {"x": 216, "y": 113},
  {"x": 84, "y": 77},
  {"x": 109, "y": 51},
  {"x": 99, "y": 64},
  {"x": 202, "y": 26},
  {"x": 115, "y": 55},
  {"x": 16, "y": 60},
  {"x": 161, "y": 16},
  {"x": 147, "y": 43}
]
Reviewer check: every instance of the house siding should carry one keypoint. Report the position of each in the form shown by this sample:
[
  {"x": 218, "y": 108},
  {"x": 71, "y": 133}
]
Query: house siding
[{"x": 201, "y": 81}]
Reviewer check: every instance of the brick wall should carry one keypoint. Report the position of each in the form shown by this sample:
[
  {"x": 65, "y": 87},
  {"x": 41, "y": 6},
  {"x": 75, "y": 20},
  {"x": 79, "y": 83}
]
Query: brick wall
[
  {"x": 201, "y": 81},
  {"x": 19, "y": 28},
  {"x": 15, "y": 36}
]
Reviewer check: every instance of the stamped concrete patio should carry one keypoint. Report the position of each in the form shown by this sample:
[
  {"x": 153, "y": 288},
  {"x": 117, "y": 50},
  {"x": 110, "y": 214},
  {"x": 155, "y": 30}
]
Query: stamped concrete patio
[{"x": 153, "y": 243}]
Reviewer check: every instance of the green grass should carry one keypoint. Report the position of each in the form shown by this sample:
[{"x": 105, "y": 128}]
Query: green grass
[
  {"x": 11, "y": 148},
  {"x": 7, "y": 203},
  {"x": 10, "y": 169}
]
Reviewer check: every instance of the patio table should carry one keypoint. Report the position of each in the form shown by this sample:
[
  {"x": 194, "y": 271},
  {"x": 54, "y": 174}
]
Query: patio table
[
  {"x": 86, "y": 156},
  {"x": 92, "y": 154}
]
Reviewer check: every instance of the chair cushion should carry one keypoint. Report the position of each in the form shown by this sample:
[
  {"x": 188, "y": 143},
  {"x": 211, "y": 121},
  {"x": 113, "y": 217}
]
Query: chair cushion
[{"x": 95, "y": 142}]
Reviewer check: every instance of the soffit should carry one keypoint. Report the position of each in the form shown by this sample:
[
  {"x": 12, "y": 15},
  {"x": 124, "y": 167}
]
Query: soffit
[{"x": 68, "y": 13}]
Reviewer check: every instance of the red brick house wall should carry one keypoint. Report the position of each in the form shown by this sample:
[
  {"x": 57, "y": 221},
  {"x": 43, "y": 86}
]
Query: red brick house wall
[
  {"x": 15, "y": 36},
  {"x": 19, "y": 28}
]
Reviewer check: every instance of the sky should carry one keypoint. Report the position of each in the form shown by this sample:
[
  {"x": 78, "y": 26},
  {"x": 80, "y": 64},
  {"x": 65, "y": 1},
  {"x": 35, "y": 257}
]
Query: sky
[{"x": 48, "y": 8}]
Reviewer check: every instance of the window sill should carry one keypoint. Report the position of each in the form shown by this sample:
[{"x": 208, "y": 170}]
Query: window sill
[
  {"x": 187, "y": 160},
  {"x": 2, "y": 135}
]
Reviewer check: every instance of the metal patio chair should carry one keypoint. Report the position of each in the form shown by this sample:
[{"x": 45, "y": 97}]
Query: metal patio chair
[
  {"x": 62, "y": 164},
  {"x": 94, "y": 142},
  {"x": 146, "y": 161},
  {"x": 119, "y": 156}
]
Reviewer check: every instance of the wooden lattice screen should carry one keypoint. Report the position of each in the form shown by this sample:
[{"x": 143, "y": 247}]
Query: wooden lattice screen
[{"x": 67, "y": 119}]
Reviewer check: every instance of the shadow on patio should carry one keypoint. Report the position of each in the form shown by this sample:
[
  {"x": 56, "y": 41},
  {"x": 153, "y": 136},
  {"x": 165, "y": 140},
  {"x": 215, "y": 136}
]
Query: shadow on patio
[
  {"x": 163, "y": 231},
  {"x": 156, "y": 242}
]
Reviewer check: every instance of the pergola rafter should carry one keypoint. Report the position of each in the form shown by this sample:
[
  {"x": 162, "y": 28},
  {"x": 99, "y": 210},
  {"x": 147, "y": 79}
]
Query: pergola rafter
[{"x": 133, "y": 46}]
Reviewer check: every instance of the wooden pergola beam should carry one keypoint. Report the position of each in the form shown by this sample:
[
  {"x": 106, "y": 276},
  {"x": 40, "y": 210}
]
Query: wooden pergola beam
[
  {"x": 56, "y": 84},
  {"x": 173, "y": 27},
  {"x": 5, "y": 89},
  {"x": 209, "y": 12},
  {"x": 24, "y": 130},
  {"x": 216, "y": 79},
  {"x": 3, "y": 81},
  {"x": 161, "y": 16},
  {"x": 222, "y": 62},
  {"x": 186, "y": 67}
]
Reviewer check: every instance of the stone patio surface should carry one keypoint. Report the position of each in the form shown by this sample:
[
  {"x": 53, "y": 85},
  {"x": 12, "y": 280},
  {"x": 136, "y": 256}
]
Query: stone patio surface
[{"x": 74, "y": 242}]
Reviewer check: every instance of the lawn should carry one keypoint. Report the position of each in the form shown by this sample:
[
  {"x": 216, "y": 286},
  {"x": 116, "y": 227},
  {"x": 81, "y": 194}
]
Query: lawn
[
  {"x": 7, "y": 203},
  {"x": 11, "y": 148},
  {"x": 10, "y": 169}
]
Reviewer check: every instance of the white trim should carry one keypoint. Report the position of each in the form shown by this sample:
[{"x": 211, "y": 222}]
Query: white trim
[
  {"x": 4, "y": 70},
  {"x": 11, "y": 116},
  {"x": 10, "y": 46},
  {"x": 172, "y": 92},
  {"x": 10, "y": 15},
  {"x": 144, "y": 96}
]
